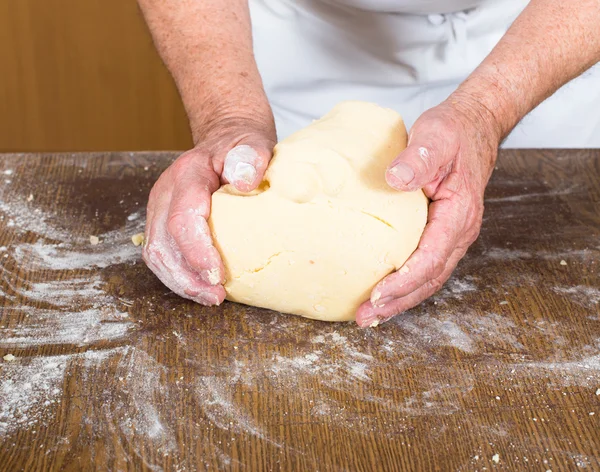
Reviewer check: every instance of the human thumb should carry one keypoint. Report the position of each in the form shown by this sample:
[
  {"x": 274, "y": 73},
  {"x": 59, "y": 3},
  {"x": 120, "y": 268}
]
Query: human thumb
[
  {"x": 430, "y": 149},
  {"x": 246, "y": 163}
]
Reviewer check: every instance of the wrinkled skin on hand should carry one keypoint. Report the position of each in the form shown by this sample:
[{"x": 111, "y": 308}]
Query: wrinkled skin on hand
[
  {"x": 179, "y": 247},
  {"x": 451, "y": 153}
]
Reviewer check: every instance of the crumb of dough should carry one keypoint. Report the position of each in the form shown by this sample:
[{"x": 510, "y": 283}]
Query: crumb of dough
[
  {"x": 9, "y": 358},
  {"x": 138, "y": 239},
  {"x": 94, "y": 240},
  {"x": 598, "y": 392},
  {"x": 30, "y": 197},
  {"x": 496, "y": 458},
  {"x": 563, "y": 262}
]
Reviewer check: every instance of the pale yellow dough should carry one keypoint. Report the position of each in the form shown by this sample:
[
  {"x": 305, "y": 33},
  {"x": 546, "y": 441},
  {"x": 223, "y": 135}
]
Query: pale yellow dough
[{"x": 324, "y": 227}]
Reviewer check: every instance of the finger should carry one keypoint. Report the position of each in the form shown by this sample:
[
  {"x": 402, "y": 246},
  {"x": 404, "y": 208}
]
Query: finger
[
  {"x": 187, "y": 220},
  {"x": 427, "y": 157},
  {"x": 369, "y": 315},
  {"x": 163, "y": 258},
  {"x": 445, "y": 227},
  {"x": 160, "y": 196},
  {"x": 245, "y": 165}
]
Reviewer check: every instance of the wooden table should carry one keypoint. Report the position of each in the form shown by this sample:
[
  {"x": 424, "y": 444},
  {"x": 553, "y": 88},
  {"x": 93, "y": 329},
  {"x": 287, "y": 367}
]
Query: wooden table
[{"x": 498, "y": 371}]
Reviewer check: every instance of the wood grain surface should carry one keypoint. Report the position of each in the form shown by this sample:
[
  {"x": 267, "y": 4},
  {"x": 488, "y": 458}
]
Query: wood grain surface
[
  {"x": 498, "y": 371},
  {"x": 84, "y": 75}
]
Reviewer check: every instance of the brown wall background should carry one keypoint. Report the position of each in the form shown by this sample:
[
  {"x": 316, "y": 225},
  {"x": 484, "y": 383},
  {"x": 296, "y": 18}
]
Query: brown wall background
[{"x": 80, "y": 75}]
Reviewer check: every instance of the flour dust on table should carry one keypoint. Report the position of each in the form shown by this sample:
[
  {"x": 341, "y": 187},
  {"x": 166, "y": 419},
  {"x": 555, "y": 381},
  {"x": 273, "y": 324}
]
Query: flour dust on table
[{"x": 104, "y": 359}]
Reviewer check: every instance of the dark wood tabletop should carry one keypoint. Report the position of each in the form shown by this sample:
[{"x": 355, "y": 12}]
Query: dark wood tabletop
[{"x": 111, "y": 371}]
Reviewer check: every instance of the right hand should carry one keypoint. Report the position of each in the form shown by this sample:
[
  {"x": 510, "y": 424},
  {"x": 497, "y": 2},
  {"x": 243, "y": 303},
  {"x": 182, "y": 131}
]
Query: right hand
[{"x": 179, "y": 247}]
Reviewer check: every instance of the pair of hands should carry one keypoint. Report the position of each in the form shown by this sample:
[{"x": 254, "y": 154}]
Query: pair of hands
[{"x": 451, "y": 152}]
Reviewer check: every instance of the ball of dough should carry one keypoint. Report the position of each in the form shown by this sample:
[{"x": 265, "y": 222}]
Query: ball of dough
[{"x": 324, "y": 227}]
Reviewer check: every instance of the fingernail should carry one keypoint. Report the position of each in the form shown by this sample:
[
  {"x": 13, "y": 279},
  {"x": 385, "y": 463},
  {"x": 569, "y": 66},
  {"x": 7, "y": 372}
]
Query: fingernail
[
  {"x": 369, "y": 321},
  {"x": 374, "y": 321},
  {"x": 207, "y": 299},
  {"x": 402, "y": 172},
  {"x": 244, "y": 172},
  {"x": 212, "y": 276},
  {"x": 240, "y": 165}
]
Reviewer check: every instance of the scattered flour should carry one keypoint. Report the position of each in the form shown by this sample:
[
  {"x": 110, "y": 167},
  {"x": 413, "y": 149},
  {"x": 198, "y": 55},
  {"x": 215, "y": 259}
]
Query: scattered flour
[
  {"x": 73, "y": 311},
  {"x": 583, "y": 295},
  {"x": 456, "y": 336},
  {"x": 61, "y": 310},
  {"x": 492, "y": 331},
  {"x": 144, "y": 391},
  {"x": 534, "y": 195},
  {"x": 57, "y": 248},
  {"x": 219, "y": 406},
  {"x": 96, "y": 358},
  {"x": 32, "y": 388},
  {"x": 345, "y": 360},
  {"x": 435, "y": 331},
  {"x": 25, "y": 218},
  {"x": 62, "y": 292},
  {"x": 456, "y": 288},
  {"x": 134, "y": 216},
  {"x": 57, "y": 327},
  {"x": 336, "y": 360},
  {"x": 28, "y": 392},
  {"x": 508, "y": 254},
  {"x": 582, "y": 373},
  {"x": 61, "y": 256},
  {"x": 42, "y": 307}
]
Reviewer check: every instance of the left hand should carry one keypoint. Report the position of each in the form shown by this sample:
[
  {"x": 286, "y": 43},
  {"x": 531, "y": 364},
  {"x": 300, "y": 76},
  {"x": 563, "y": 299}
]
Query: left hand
[{"x": 451, "y": 153}]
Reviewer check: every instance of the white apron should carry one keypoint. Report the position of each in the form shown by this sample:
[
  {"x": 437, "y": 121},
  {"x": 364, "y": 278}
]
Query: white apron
[{"x": 408, "y": 55}]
